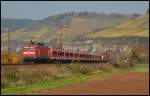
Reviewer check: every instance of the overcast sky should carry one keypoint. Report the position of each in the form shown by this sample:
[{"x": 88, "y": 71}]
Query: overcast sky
[{"x": 41, "y": 9}]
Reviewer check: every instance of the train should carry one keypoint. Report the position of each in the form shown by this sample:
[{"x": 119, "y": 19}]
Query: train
[{"x": 39, "y": 53}]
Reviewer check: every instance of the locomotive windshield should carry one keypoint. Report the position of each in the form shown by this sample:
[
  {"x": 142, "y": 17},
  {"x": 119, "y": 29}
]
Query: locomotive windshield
[{"x": 28, "y": 48}]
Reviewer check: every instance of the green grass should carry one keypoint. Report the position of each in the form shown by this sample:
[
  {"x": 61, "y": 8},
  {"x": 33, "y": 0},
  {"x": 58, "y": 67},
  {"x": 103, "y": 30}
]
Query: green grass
[
  {"x": 141, "y": 68},
  {"x": 78, "y": 78}
]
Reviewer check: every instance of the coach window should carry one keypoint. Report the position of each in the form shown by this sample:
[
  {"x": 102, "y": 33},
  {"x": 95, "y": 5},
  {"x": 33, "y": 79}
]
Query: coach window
[
  {"x": 91, "y": 56},
  {"x": 80, "y": 55},
  {"x": 55, "y": 52},
  {"x": 87, "y": 56},
  {"x": 61, "y": 53},
  {"x": 71, "y": 54},
  {"x": 66, "y": 54},
  {"x": 49, "y": 52},
  {"x": 76, "y": 54},
  {"x": 83, "y": 55}
]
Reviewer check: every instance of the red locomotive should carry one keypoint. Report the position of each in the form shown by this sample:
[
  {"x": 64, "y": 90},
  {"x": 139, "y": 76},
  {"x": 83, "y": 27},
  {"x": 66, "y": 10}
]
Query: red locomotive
[{"x": 39, "y": 53}]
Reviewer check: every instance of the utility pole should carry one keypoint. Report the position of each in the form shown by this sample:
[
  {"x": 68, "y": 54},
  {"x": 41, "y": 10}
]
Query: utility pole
[
  {"x": 72, "y": 46},
  {"x": 8, "y": 32},
  {"x": 60, "y": 37}
]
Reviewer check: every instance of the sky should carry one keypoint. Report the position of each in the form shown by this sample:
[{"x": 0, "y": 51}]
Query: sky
[{"x": 37, "y": 10}]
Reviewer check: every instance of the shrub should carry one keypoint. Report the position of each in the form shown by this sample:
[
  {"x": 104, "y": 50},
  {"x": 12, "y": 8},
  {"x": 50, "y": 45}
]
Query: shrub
[
  {"x": 10, "y": 58},
  {"x": 82, "y": 68},
  {"x": 140, "y": 53},
  {"x": 85, "y": 69}
]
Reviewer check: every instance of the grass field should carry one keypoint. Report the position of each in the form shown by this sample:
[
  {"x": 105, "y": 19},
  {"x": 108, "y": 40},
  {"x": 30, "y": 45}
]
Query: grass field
[
  {"x": 141, "y": 68},
  {"x": 74, "y": 78},
  {"x": 53, "y": 83}
]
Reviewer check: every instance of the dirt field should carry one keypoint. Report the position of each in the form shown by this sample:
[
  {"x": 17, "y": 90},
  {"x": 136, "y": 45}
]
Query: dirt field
[{"x": 133, "y": 83}]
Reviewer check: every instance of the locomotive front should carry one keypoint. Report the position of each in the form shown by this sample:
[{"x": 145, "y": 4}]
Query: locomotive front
[{"x": 29, "y": 53}]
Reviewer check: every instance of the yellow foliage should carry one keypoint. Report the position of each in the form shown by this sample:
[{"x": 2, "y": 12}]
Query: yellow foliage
[
  {"x": 11, "y": 58},
  {"x": 135, "y": 23},
  {"x": 116, "y": 32}
]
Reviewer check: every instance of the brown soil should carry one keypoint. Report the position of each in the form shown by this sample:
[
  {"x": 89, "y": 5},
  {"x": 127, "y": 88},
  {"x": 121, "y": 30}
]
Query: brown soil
[{"x": 133, "y": 83}]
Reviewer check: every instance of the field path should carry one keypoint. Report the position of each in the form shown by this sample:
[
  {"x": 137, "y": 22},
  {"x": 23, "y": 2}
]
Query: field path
[{"x": 132, "y": 83}]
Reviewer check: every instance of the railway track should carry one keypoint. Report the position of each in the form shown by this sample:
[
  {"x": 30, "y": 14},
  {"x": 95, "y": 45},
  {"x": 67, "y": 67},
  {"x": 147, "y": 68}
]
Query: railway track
[
  {"x": 23, "y": 64},
  {"x": 18, "y": 64}
]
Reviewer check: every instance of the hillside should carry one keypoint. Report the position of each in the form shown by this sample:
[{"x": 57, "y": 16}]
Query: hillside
[
  {"x": 118, "y": 38},
  {"x": 133, "y": 27},
  {"x": 78, "y": 23}
]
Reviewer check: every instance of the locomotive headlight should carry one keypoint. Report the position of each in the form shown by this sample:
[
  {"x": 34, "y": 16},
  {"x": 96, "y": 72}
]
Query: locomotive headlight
[
  {"x": 25, "y": 52},
  {"x": 102, "y": 57},
  {"x": 32, "y": 52},
  {"x": 28, "y": 52}
]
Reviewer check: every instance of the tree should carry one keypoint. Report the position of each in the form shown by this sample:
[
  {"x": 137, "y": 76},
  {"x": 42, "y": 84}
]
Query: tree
[
  {"x": 14, "y": 58},
  {"x": 139, "y": 53}
]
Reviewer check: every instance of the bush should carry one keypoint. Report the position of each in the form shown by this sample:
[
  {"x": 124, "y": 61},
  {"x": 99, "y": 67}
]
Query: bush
[
  {"x": 85, "y": 69},
  {"x": 11, "y": 58},
  {"x": 82, "y": 68},
  {"x": 140, "y": 53}
]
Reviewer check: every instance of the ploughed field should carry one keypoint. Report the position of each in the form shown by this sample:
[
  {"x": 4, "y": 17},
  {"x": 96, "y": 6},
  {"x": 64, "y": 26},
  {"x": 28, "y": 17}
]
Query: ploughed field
[{"x": 132, "y": 83}]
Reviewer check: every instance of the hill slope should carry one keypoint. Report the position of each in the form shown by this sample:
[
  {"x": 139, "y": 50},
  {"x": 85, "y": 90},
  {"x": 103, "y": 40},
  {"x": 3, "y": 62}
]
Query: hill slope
[
  {"x": 78, "y": 23},
  {"x": 133, "y": 27}
]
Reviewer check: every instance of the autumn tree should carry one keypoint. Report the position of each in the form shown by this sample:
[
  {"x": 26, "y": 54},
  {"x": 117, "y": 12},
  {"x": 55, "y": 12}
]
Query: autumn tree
[
  {"x": 11, "y": 58},
  {"x": 139, "y": 54}
]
